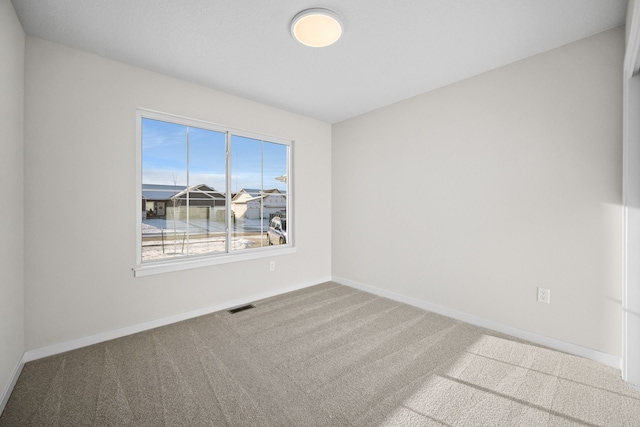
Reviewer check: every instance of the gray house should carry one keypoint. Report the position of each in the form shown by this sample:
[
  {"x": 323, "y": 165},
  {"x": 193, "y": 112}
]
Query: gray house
[{"x": 167, "y": 201}]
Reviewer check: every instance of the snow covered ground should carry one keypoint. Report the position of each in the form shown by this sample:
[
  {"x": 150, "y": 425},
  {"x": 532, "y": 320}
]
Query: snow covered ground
[
  {"x": 155, "y": 250},
  {"x": 162, "y": 241},
  {"x": 154, "y": 225}
]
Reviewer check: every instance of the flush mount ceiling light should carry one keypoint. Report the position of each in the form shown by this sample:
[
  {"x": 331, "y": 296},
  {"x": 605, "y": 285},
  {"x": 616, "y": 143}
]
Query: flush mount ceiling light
[{"x": 316, "y": 27}]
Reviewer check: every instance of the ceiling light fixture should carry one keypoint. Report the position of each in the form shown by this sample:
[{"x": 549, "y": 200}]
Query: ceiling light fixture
[{"x": 316, "y": 27}]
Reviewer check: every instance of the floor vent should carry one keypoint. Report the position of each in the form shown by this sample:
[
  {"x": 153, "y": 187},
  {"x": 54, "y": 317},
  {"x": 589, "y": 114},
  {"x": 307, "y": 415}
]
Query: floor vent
[{"x": 242, "y": 308}]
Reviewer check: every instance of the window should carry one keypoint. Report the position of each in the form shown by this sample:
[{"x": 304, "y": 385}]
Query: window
[{"x": 208, "y": 194}]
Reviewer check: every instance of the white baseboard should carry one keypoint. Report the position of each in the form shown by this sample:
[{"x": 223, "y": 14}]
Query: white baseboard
[
  {"x": 556, "y": 344},
  {"x": 140, "y": 327},
  {"x": 4, "y": 398},
  {"x": 607, "y": 359},
  {"x": 129, "y": 330}
]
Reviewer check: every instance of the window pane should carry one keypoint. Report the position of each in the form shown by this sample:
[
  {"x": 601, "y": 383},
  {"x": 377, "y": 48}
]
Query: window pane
[
  {"x": 260, "y": 182},
  {"x": 164, "y": 161},
  {"x": 246, "y": 182},
  {"x": 206, "y": 216},
  {"x": 275, "y": 178}
]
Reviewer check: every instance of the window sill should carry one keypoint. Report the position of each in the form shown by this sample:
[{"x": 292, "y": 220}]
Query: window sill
[{"x": 159, "y": 267}]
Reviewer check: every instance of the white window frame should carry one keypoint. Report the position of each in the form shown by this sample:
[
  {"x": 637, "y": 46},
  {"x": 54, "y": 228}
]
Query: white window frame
[{"x": 186, "y": 263}]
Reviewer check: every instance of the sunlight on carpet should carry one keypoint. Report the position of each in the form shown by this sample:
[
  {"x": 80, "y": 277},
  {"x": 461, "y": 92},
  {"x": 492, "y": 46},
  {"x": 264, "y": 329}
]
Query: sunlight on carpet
[{"x": 514, "y": 383}]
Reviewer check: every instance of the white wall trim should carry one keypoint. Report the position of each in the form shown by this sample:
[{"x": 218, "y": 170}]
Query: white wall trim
[
  {"x": 607, "y": 359},
  {"x": 4, "y": 398},
  {"x": 604, "y": 358},
  {"x": 140, "y": 327},
  {"x": 168, "y": 266}
]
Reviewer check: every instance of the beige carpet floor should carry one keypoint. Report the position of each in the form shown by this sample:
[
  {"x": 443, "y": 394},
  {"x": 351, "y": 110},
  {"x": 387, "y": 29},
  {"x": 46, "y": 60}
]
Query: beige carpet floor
[{"x": 327, "y": 355}]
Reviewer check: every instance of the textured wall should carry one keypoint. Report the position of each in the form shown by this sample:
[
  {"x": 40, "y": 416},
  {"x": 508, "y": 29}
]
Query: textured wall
[
  {"x": 81, "y": 153},
  {"x": 12, "y": 42},
  {"x": 473, "y": 195}
]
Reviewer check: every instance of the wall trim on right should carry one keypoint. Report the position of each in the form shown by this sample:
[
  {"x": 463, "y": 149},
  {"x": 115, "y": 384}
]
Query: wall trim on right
[{"x": 574, "y": 349}]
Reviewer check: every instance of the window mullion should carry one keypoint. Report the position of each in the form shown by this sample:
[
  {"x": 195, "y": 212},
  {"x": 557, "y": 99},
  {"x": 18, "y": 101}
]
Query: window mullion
[
  {"x": 228, "y": 192},
  {"x": 188, "y": 231},
  {"x": 264, "y": 196}
]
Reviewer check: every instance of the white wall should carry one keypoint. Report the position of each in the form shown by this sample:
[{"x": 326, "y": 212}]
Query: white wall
[
  {"x": 473, "y": 195},
  {"x": 81, "y": 206},
  {"x": 511, "y": 180},
  {"x": 631, "y": 196},
  {"x": 12, "y": 42}
]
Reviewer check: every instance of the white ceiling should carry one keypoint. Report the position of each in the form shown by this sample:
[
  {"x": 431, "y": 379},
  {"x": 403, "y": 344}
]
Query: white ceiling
[{"x": 391, "y": 49}]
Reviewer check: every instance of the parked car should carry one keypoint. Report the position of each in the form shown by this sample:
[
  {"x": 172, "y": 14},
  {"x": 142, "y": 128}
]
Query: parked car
[{"x": 277, "y": 232}]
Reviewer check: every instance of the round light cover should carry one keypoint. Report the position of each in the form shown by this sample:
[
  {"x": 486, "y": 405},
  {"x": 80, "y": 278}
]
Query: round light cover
[{"x": 316, "y": 27}]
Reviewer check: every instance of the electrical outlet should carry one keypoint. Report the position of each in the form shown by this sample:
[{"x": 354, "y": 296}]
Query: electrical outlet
[
  {"x": 272, "y": 265},
  {"x": 544, "y": 295}
]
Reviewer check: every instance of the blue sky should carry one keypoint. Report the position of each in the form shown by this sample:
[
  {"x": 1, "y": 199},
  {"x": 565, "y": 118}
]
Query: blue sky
[{"x": 254, "y": 163}]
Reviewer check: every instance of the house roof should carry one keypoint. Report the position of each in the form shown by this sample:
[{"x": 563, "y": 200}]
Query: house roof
[
  {"x": 202, "y": 190},
  {"x": 251, "y": 191},
  {"x": 255, "y": 194},
  {"x": 166, "y": 192},
  {"x": 160, "y": 192}
]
